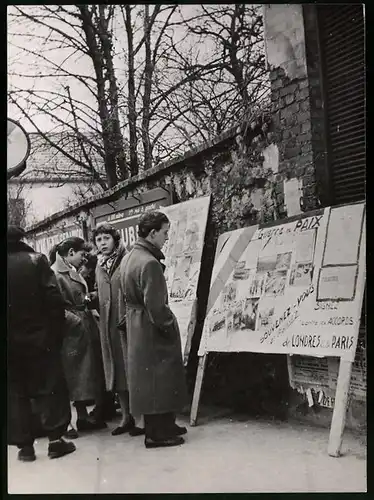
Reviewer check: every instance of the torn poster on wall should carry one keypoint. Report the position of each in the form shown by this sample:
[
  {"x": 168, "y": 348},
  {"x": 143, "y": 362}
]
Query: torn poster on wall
[
  {"x": 283, "y": 289},
  {"x": 183, "y": 252}
]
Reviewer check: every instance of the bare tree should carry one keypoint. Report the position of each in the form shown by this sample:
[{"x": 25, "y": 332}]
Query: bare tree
[
  {"x": 85, "y": 30},
  {"x": 157, "y": 81},
  {"x": 17, "y": 206}
]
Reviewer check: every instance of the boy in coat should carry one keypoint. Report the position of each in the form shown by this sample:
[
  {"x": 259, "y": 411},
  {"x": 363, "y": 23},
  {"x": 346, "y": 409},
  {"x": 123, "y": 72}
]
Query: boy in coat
[{"x": 155, "y": 368}]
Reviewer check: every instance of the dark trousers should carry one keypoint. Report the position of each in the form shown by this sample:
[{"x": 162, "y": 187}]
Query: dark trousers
[
  {"x": 38, "y": 378},
  {"x": 159, "y": 426}
]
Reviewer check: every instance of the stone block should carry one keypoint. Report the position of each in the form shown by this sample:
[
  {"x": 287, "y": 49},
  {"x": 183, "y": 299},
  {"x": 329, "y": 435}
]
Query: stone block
[
  {"x": 305, "y": 159},
  {"x": 289, "y": 99},
  {"x": 273, "y": 75},
  {"x": 286, "y": 134},
  {"x": 303, "y": 117},
  {"x": 305, "y": 105},
  {"x": 306, "y": 126},
  {"x": 276, "y": 84},
  {"x": 300, "y": 171},
  {"x": 292, "y": 152},
  {"x": 275, "y": 95},
  {"x": 296, "y": 130},
  {"x": 303, "y": 84},
  {"x": 303, "y": 94},
  {"x": 307, "y": 148},
  {"x": 289, "y": 89},
  {"x": 290, "y": 110}
]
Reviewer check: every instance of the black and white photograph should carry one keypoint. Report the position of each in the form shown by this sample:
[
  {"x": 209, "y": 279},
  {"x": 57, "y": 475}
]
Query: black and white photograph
[{"x": 186, "y": 249}]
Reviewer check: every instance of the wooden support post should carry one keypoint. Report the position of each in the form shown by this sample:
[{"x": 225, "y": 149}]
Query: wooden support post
[
  {"x": 340, "y": 408},
  {"x": 197, "y": 391}
]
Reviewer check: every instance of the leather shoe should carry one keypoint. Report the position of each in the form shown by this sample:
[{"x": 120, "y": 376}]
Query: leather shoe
[
  {"x": 179, "y": 431},
  {"x": 27, "y": 454},
  {"x": 137, "y": 431},
  {"x": 122, "y": 429},
  {"x": 60, "y": 448},
  {"x": 162, "y": 443}
]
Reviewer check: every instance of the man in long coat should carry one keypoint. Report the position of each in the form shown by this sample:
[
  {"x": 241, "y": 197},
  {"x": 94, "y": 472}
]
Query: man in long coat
[
  {"x": 35, "y": 318},
  {"x": 155, "y": 368}
]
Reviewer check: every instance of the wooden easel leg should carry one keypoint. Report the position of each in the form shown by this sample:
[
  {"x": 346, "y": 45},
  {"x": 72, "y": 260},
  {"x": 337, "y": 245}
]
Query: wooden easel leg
[
  {"x": 197, "y": 391},
  {"x": 340, "y": 408}
]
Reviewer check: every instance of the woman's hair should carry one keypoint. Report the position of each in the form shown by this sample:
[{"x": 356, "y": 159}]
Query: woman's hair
[
  {"x": 52, "y": 254},
  {"x": 151, "y": 220},
  {"x": 64, "y": 246},
  {"x": 106, "y": 228}
]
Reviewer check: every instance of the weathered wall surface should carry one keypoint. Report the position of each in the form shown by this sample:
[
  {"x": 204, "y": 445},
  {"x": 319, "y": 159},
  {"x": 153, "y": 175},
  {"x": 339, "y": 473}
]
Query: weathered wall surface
[{"x": 298, "y": 117}]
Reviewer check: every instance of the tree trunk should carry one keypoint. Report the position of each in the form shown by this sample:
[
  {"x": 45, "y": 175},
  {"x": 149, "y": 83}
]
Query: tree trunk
[
  {"x": 99, "y": 63},
  {"x": 131, "y": 102},
  {"x": 147, "y": 92},
  {"x": 116, "y": 139}
]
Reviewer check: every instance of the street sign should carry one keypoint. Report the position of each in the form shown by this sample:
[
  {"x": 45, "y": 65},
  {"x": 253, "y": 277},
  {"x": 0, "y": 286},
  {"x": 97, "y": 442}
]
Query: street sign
[{"x": 18, "y": 148}]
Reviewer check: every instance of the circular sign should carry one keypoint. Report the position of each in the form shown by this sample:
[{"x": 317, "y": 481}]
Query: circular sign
[{"x": 18, "y": 148}]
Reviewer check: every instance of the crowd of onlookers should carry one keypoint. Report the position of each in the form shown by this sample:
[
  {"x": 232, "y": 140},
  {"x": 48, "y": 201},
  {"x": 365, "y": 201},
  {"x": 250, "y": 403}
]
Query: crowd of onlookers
[{"x": 92, "y": 326}]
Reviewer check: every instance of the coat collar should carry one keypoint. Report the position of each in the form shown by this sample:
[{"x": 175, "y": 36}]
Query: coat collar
[
  {"x": 120, "y": 252},
  {"x": 156, "y": 252},
  {"x": 60, "y": 266},
  {"x": 19, "y": 246}
]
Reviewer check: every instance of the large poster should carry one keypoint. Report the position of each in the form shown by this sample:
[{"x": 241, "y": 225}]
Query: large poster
[
  {"x": 44, "y": 241},
  {"x": 183, "y": 252},
  {"x": 292, "y": 288}
]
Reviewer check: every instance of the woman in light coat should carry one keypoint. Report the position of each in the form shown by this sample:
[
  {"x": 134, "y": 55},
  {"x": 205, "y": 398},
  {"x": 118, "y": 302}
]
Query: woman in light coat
[
  {"x": 112, "y": 319},
  {"x": 81, "y": 348}
]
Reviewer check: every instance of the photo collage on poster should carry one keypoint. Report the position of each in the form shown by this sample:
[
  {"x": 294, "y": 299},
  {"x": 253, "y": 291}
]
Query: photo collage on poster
[
  {"x": 261, "y": 276},
  {"x": 183, "y": 250}
]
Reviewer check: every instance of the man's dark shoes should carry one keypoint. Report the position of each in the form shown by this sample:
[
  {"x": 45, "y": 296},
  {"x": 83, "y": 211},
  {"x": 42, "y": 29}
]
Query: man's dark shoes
[
  {"x": 90, "y": 425},
  {"x": 27, "y": 454},
  {"x": 60, "y": 448},
  {"x": 137, "y": 431},
  {"x": 179, "y": 431},
  {"x": 122, "y": 429},
  {"x": 162, "y": 443}
]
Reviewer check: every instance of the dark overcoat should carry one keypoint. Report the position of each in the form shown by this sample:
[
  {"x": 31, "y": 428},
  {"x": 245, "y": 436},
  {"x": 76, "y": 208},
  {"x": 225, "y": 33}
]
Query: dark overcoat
[
  {"x": 35, "y": 317},
  {"x": 35, "y": 304},
  {"x": 81, "y": 346},
  {"x": 112, "y": 310},
  {"x": 156, "y": 375}
]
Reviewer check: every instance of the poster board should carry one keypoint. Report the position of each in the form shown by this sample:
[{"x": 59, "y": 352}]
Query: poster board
[
  {"x": 294, "y": 287},
  {"x": 44, "y": 241},
  {"x": 124, "y": 213},
  {"x": 183, "y": 252}
]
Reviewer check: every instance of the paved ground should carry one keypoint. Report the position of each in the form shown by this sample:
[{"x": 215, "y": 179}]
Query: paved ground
[{"x": 220, "y": 455}]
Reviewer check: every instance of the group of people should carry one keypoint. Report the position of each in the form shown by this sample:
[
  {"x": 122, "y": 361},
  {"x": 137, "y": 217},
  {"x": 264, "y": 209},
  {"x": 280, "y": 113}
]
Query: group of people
[{"x": 92, "y": 323}]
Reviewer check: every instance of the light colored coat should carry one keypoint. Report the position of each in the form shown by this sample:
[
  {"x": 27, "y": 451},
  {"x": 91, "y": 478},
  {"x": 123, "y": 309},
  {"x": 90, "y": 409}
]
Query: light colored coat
[
  {"x": 81, "y": 344},
  {"x": 156, "y": 375},
  {"x": 112, "y": 310}
]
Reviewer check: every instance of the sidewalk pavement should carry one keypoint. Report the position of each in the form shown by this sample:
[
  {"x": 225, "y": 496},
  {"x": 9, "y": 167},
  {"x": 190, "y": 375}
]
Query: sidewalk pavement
[{"x": 222, "y": 455}]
